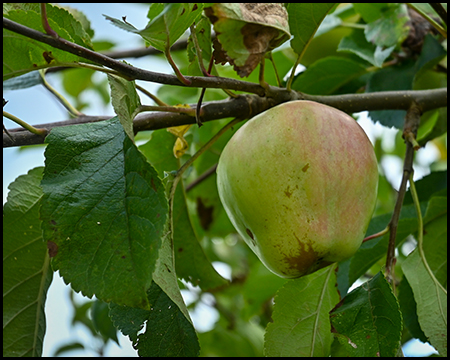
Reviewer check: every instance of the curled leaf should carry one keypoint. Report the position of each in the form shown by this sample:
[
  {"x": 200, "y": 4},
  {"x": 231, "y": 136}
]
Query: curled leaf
[{"x": 246, "y": 32}]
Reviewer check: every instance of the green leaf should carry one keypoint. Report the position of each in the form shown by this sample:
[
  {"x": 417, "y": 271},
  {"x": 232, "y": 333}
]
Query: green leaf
[
  {"x": 26, "y": 268},
  {"x": 22, "y": 82},
  {"x": 357, "y": 43},
  {"x": 29, "y": 54},
  {"x": 104, "y": 212},
  {"x": 432, "y": 53},
  {"x": 304, "y": 20},
  {"x": 190, "y": 260},
  {"x": 243, "y": 339},
  {"x": 246, "y": 32},
  {"x": 167, "y": 332},
  {"x": 68, "y": 347},
  {"x": 408, "y": 308},
  {"x": 167, "y": 26},
  {"x": 102, "y": 322},
  {"x": 301, "y": 324},
  {"x": 370, "y": 11},
  {"x": 399, "y": 77},
  {"x": 125, "y": 100},
  {"x": 368, "y": 321},
  {"x": 431, "y": 300},
  {"x": 371, "y": 251},
  {"x": 389, "y": 30},
  {"x": 327, "y": 75}
]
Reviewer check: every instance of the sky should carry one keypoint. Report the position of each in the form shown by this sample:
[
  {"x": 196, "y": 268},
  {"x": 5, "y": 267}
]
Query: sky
[{"x": 35, "y": 105}]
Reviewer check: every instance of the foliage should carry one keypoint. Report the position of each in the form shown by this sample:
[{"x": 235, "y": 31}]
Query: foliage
[{"x": 125, "y": 220}]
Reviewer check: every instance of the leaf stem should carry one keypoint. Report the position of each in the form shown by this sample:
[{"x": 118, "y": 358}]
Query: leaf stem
[
  {"x": 73, "y": 111},
  {"x": 437, "y": 26},
  {"x": 420, "y": 232},
  {"x": 291, "y": 77},
  {"x": 378, "y": 234},
  {"x": 41, "y": 132},
  {"x": 151, "y": 96},
  {"x": 270, "y": 55},
  {"x": 262, "y": 82},
  {"x": 45, "y": 23},
  {"x": 177, "y": 71}
]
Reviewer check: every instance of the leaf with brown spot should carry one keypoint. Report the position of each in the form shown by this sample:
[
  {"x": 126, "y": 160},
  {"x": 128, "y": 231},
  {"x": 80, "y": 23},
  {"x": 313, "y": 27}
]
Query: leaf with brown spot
[
  {"x": 52, "y": 248},
  {"x": 246, "y": 32}
]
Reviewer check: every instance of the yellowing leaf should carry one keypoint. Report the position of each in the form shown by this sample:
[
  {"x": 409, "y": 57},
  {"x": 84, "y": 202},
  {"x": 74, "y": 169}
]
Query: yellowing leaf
[
  {"x": 246, "y": 32},
  {"x": 181, "y": 145}
]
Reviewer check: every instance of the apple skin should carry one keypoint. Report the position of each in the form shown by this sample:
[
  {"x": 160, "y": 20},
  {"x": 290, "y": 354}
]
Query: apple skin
[{"x": 299, "y": 183}]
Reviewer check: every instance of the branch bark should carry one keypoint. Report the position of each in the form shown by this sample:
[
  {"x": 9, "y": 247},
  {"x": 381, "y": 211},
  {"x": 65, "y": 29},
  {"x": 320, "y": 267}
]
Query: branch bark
[{"x": 247, "y": 106}]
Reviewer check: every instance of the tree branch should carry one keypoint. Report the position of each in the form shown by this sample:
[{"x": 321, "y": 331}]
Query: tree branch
[
  {"x": 412, "y": 121},
  {"x": 131, "y": 72},
  {"x": 247, "y": 106}
]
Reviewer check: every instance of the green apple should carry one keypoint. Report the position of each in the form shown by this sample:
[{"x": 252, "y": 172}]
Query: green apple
[{"x": 299, "y": 183}]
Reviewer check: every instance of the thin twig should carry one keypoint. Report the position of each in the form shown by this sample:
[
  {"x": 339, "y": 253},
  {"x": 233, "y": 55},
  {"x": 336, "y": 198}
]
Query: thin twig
[
  {"x": 201, "y": 178},
  {"x": 412, "y": 120},
  {"x": 151, "y": 96},
  {"x": 69, "y": 107}
]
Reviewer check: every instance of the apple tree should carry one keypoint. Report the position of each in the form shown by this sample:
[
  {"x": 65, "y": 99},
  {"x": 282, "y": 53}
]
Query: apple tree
[{"x": 126, "y": 208}]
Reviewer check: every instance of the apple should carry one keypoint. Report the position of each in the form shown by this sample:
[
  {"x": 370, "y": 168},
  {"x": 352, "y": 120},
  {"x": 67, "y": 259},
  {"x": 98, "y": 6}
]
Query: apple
[{"x": 299, "y": 183}]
